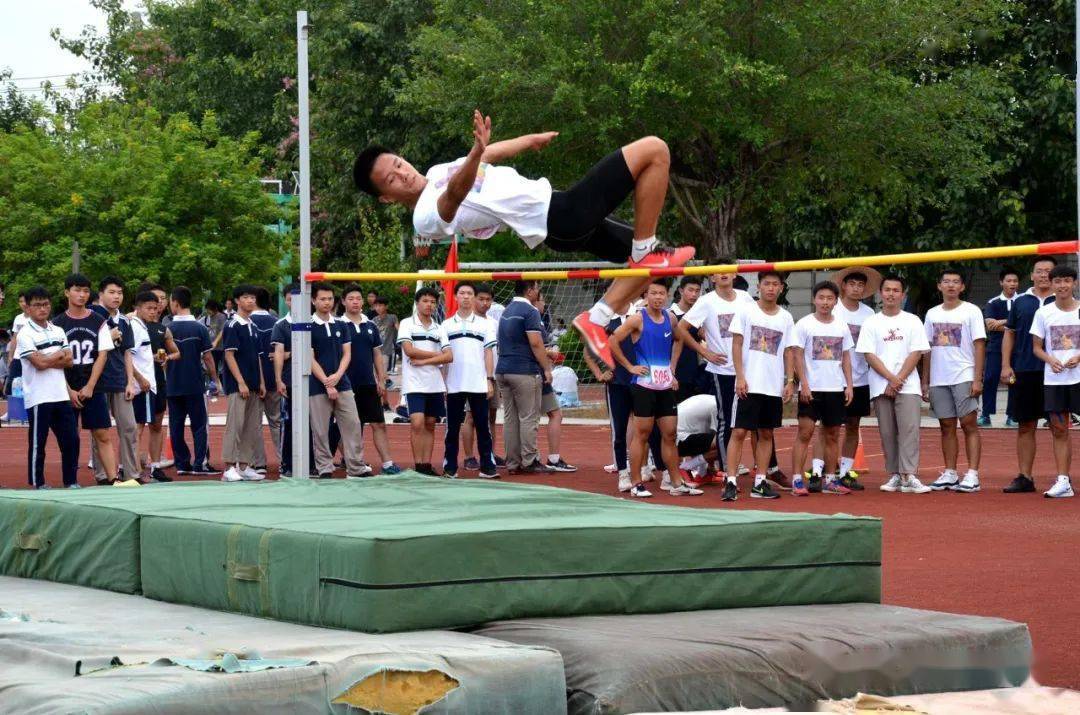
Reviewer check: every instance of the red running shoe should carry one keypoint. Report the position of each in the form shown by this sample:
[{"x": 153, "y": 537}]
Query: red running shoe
[
  {"x": 595, "y": 336},
  {"x": 715, "y": 478},
  {"x": 665, "y": 257},
  {"x": 690, "y": 480}
]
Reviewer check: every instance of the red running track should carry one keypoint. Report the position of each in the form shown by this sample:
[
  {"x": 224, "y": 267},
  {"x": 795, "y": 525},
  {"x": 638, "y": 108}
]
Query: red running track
[{"x": 993, "y": 554}]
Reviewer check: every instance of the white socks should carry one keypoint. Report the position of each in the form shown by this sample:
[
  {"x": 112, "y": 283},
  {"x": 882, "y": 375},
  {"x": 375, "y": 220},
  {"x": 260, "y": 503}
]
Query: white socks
[
  {"x": 759, "y": 479},
  {"x": 846, "y": 463},
  {"x": 553, "y": 458},
  {"x": 817, "y": 466},
  {"x": 642, "y": 247},
  {"x": 600, "y": 314},
  {"x": 387, "y": 464}
]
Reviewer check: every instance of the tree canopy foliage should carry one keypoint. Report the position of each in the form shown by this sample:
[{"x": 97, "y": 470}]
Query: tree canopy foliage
[
  {"x": 146, "y": 197},
  {"x": 797, "y": 129}
]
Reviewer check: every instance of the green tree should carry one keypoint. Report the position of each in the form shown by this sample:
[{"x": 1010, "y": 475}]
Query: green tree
[
  {"x": 16, "y": 109},
  {"x": 145, "y": 197},
  {"x": 796, "y": 128}
]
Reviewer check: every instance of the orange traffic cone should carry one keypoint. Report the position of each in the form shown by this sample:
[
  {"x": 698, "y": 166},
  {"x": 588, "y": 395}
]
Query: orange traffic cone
[{"x": 860, "y": 456}]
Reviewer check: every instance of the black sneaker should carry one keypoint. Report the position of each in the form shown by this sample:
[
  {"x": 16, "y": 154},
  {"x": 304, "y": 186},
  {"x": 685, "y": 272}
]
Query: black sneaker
[
  {"x": 531, "y": 468},
  {"x": 500, "y": 462},
  {"x": 426, "y": 469},
  {"x": 326, "y": 475},
  {"x": 731, "y": 492},
  {"x": 851, "y": 483},
  {"x": 159, "y": 476},
  {"x": 449, "y": 475},
  {"x": 764, "y": 490},
  {"x": 471, "y": 463},
  {"x": 184, "y": 470},
  {"x": 203, "y": 471},
  {"x": 1022, "y": 483},
  {"x": 814, "y": 484},
  {"x": 560, "y": 466}
]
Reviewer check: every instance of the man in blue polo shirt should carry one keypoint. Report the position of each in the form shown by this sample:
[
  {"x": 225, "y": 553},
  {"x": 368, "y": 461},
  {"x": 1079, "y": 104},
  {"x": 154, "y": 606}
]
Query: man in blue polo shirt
[
  {"x": 118, "y": 381},
  {"x": 330, "y": 389},
  {"x": 995, "y": 316},
  {"x": 1023, "y": 372},
  {"x": 367, "y": 373},
  {"x": 271, "y": 404},
  {"x": 184, "y": 387},
  {"x": 244, "y": 387},
  {"x": 522, "y": 369}
]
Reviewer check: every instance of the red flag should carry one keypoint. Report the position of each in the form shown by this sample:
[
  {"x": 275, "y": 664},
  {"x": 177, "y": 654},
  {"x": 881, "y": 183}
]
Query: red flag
[{"x": 450, "y": 287}]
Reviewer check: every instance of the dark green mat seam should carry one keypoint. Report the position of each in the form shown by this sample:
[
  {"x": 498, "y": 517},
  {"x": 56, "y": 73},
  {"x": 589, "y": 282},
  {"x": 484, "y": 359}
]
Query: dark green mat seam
[{"x": 562, "y": 577}]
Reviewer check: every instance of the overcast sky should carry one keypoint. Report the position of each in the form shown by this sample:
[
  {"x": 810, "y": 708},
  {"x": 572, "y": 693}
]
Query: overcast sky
[{"x": 25, "y": 45}]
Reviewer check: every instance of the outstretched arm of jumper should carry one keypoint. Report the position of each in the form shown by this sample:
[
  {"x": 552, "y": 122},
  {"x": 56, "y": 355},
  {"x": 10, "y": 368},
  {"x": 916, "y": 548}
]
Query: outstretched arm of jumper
[{"x": 461, "y": 183}]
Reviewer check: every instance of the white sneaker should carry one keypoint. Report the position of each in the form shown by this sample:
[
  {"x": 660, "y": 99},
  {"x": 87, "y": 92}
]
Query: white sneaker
[
  {"x": 639, "y": 490},
  {"x": 743, "y": 471},
  {"x": 610, "y": 468},
  {"x": 647, "y": 473},
  {"x": 911, "y": 485},
  {"x": 893, "y": 485},
  {"x": 948, "y": 480},
  {"x": 665, "y": 482},
  {"x": 251, "y": 475},
  {"x": 232, "y": 474},
  {"x": 685, "y": 490},
  {"x": 970, "y": 482},
  {"x": 1062, "y": 488},
  {"x": 625, "y": 484}
]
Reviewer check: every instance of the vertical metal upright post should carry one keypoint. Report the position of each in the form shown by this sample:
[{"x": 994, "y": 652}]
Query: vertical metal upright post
[
  {"x": 301, "y": 301},
  {"x": 1076, "y": 122}
]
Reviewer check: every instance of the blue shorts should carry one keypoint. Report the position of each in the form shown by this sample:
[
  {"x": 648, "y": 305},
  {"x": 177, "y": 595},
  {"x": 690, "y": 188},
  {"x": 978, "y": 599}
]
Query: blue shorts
[
  {"x": 145, "y": 407},
  {"x": 94, "y": 414},
  {"x": 432, "y": 404}
]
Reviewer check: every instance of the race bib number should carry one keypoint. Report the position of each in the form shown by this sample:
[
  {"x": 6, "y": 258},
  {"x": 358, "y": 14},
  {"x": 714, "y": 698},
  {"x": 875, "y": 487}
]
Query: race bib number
[{"x": 660, "y": 376}]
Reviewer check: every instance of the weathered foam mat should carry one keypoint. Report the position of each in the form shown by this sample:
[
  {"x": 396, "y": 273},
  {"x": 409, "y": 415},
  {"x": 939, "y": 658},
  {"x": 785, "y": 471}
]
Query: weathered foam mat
[
  {"x": 787, "y": 656},
  {"x": 72, "y": 649},
  {"x": 411, "y": 552}
]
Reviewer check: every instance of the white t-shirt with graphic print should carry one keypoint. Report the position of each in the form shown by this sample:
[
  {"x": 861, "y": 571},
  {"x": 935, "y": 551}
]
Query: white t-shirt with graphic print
[
  {"x": 823, "y": 346},
  {"x": 716, "y": 314},
  {"x": 1060, "y": 331},
  {"x": 764, "y": 339},
  {"x": 952, "y": 335}
]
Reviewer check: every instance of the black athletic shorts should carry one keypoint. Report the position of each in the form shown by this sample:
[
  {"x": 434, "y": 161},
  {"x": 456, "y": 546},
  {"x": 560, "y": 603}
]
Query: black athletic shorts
[
  {"x": 579, "y": 218},
  {"x": 860, "y": 402},
  {"x": 1027, "y": 396},
  {"x": 368, "y": 405},
  {"x": 756, "y": 411},
  {"x": 653, "y": 403},
  {"x": 828, "y": 408},
  {"x": 696, "y": 444},
  {"x": 1061, "y": 398}
]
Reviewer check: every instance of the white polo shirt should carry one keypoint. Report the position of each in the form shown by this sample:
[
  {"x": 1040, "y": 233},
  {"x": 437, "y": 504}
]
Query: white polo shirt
[
  {"x": 425, "y": 378},
  {"x": 469, "y": 338},
  {"x": 142, "y": 356},
  {"x": 41, "y": 386}
]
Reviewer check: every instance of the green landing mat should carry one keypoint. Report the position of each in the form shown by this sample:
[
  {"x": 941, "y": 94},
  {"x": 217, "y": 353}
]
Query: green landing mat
[{"x": 409, "y": 552}]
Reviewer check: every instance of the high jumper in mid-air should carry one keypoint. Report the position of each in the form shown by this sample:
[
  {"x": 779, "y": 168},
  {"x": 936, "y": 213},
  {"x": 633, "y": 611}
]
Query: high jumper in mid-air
[{"x": 477, "y": 196}]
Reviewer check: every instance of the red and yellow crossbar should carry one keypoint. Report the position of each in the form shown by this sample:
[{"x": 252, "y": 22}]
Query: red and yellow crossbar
[{"x": 815, "y": 264}]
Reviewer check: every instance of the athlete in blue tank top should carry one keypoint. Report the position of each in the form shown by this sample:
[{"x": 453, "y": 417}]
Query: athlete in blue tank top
[{"x": 656, "y": 350}]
